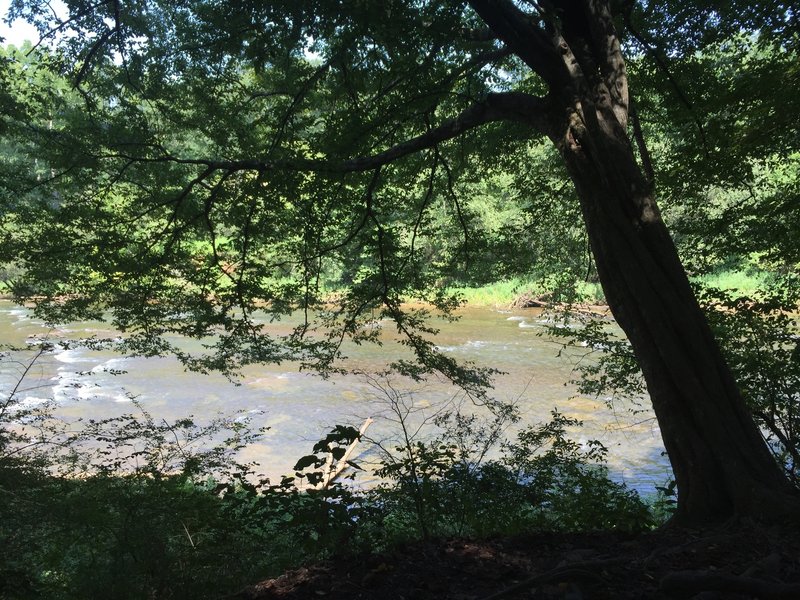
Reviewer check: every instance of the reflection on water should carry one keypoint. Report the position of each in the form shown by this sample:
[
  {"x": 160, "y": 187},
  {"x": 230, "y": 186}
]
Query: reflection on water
[{"x": 299, "y": 408}]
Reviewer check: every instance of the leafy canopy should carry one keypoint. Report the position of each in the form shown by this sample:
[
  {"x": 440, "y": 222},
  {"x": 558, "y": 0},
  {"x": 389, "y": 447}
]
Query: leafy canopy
[{"x": 201, "y": 168}]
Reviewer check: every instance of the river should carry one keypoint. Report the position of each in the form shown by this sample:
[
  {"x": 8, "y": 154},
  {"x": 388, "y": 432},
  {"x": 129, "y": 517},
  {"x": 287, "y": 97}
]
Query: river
[{"x": 299, "y": 408}]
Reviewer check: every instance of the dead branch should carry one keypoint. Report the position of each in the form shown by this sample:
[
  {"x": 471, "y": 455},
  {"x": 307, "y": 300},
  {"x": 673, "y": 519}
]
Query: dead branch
[{"x": 331, "y": 471}]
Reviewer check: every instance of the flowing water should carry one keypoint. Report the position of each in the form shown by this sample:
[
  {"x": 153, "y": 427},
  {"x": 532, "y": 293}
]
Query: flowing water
[{"x": 299, "y": 408}]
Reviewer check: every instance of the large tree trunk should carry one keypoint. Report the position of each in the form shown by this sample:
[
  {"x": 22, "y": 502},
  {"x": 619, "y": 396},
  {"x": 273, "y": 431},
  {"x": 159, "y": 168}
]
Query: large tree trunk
[{"x": 721, "y": 463}]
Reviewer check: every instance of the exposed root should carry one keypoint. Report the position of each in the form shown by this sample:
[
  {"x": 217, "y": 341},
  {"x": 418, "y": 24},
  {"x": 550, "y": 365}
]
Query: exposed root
[{"x": 582, "y": 571}]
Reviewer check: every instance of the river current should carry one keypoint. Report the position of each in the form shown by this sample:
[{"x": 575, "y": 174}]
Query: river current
[{"x": 299, "y": 408}]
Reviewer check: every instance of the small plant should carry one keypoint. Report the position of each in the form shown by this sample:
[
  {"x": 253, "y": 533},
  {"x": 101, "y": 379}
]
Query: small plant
[
  {"x": 430, "y": 487},
  {"x": 665, "y": 502},
  {"x": 448, "y": 485},
  {"x": 330, "y": 456}
]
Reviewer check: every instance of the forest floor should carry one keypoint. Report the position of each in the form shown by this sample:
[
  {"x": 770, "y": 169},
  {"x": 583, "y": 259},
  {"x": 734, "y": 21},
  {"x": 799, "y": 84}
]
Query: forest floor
[{"x": 738, "y": 562}]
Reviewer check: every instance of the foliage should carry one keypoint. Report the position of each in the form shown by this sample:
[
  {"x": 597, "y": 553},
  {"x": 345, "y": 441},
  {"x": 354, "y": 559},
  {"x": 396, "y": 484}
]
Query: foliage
[
  {"x": 567, "y": 484},
  {"x": 178, "y": 536},
  {"x": 724, "y": 147},
  {"x": 762, "y": 347},
  {"x": 430, "y": 489},
  {"x": 134, "y": 536},
  {"x": 442, "y": 486},
  {"x": 132, "y": 507},
  {"x": 542, "y": 480},
  {"x": 191, "y": 181},
  {"x": 607, "y": 366},
  {"x": 198, "y": 169},
  {"x": 665, "y": 503}
]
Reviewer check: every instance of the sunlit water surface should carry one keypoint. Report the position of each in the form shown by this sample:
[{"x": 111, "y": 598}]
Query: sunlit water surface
[{"x": 299, "y": 408}]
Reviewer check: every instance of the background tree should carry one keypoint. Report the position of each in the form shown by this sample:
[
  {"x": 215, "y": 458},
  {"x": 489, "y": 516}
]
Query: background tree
[{"x": 227, "y": 158}]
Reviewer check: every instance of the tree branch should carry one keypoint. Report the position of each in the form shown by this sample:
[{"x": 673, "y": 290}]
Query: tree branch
[
  {"x": 63, "y": 24},
  {"x": 661, "y": 63},
  {"x": 308, "y": 85},
  {"x": 519, "y": 32},
  {"x": 87, "y": 63},
  {"x": 508, "y": 106},
  {"x": 513, "y": 106},
  {"x": 478, "y": 35},
  {"x": 644, "y": 153}
]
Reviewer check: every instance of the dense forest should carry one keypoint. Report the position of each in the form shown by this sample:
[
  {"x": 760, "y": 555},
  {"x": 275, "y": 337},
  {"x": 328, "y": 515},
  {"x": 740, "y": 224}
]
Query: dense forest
[{"x": 198, "y": 169}]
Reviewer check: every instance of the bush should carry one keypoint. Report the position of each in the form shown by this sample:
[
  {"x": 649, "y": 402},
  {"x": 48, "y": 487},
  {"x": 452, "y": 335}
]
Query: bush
[
  {"x": 132, "y": 507},
  {"x": 543, "y": 480}
]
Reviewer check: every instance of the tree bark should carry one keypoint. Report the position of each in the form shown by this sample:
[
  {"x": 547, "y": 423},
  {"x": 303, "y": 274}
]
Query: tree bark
[{"x": 721, "y": 463}]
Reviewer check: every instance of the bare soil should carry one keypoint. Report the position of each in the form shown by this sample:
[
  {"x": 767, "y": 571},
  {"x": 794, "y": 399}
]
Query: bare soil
[{"x": 736, "y": 562}]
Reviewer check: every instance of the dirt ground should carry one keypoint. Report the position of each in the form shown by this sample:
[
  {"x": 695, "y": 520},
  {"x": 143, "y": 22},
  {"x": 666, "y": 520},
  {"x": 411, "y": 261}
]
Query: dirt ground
[{"x": 736, "y": 562}]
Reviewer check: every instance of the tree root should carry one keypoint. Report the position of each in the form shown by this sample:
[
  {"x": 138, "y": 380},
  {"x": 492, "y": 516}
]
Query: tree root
[
  {"x": 711, "y": 540},
  {"x": 571, "y": 572}
]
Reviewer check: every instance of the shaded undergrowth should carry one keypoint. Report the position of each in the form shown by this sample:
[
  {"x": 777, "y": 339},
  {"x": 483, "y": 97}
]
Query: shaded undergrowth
[{"x": 135, "y": 508}]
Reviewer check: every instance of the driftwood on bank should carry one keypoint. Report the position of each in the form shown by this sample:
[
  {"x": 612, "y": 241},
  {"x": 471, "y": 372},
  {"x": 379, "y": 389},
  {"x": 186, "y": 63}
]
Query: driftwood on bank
[{"x": 546, "y": 302}]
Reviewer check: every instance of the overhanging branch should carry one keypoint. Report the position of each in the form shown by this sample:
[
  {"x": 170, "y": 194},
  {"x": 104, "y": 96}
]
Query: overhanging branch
[
  {"x": 662, "y": 65},
  {"x": 509, "y": 106}
]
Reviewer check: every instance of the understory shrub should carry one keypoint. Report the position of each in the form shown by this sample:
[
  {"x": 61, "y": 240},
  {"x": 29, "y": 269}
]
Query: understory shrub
[
  {"x": 133, "y": 507},
  {"x": 540, "y": 481}
]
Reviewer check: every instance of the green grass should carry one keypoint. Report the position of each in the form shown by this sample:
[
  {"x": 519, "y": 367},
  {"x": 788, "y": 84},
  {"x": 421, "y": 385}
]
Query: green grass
[
  {"x": 501, "y": 293},
  {"x": 742, "y": 281},
  {"x": 504, "y": 293},
  {"x": 745, "y": 281}
]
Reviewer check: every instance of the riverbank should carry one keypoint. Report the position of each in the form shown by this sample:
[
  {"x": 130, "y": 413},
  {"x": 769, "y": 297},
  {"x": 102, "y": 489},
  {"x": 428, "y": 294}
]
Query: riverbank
[
  {"x": 517, "y": 292},
  {"x": 512, "y": 293},
  {"x": 740, "y": 561}
]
